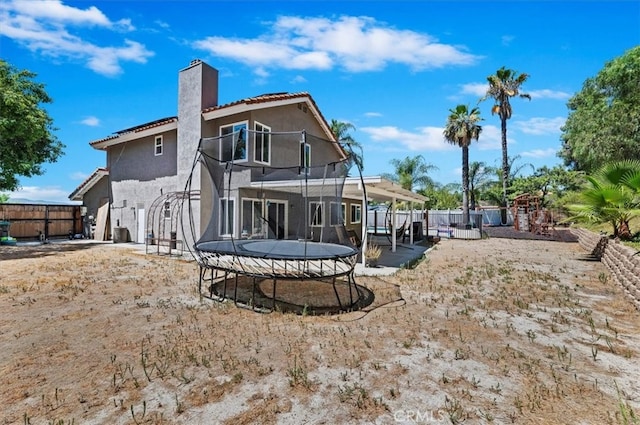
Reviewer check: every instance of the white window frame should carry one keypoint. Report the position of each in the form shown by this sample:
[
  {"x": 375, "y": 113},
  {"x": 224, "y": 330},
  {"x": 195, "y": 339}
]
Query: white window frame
[
  {"x": 316, "y": 220},
  {"x": 167, "y": 210},
  {"x": 356, "y": 210},
  {"x": 250, "y": 232},
  {"x": 305, "y": 158},
  {"x": 343, "y": 214},
  {"x": 158, "y": 147},
  {"x": 235, "y": 130},
  {"x": 259, "y": 141},
  {"x": 227, "y": 221}
]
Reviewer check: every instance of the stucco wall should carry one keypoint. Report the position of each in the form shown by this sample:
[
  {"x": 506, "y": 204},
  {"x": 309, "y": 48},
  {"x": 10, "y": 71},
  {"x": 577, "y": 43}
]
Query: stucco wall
[
  {"x": 94, "y": 197},
  {"x": 197, "y": 89},
  {"x": 137, "y": 160},
  {"x": 137, "y": 194}
]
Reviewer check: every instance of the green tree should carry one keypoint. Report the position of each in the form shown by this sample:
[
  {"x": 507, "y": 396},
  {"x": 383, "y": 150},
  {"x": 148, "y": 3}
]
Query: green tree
[
  {"x": 613, "y": 197},
  {"x": 441, "y": 197},
  {"x": 461, "y": 129},
  {"x": 478, "y": 180},
  {"x": 341, "y": 132},
  {"x": 26, "y": 130},
  {"x": 504, "y": 85},
  {"x": 604, "y": 117},
  {"x": 411, "y": 172},
  {"x": 492, "y": 188},
  {"x": 549, "y": 184}
]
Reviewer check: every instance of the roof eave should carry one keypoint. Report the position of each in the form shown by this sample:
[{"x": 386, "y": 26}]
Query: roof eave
[
  {"x": 134, "y": 135},
  {"x": 85, "y": 186}
]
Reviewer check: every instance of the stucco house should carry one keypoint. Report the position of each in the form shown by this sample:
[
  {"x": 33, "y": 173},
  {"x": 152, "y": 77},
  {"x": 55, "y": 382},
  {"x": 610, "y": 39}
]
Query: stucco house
[{"x": 147, "y": 166}]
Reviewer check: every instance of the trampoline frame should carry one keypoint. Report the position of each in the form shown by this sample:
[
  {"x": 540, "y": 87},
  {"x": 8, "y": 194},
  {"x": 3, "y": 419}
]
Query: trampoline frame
[{"x": 259, "y": 266}]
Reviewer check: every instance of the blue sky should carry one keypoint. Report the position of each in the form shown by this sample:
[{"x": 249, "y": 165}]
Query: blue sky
[{"x": 392, "y": 69}]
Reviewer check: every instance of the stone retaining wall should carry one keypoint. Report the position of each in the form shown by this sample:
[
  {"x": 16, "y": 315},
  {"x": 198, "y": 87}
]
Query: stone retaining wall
[{"x": 619, "y": 259}]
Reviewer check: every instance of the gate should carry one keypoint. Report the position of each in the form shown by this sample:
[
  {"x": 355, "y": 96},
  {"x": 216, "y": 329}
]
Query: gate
[{"x": 34, "y": 221}]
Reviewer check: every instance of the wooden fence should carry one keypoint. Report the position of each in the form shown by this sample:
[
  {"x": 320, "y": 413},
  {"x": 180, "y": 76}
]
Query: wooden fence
[{"x": 30, "y": 221}]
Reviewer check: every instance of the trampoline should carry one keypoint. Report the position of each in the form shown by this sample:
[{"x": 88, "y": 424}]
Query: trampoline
[{"x": 276, "y": 237}]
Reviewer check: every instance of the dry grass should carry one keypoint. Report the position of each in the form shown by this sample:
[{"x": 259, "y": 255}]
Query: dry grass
[{"x": 491, "y": 331}]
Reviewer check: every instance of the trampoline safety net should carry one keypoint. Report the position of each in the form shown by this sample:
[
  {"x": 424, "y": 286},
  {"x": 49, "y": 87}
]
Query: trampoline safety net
[{"x": 275, "y": 220}]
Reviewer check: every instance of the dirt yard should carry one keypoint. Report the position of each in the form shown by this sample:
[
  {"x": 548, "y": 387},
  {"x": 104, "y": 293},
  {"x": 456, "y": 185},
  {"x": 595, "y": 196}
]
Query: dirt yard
[{"x": 489, "y": 331}]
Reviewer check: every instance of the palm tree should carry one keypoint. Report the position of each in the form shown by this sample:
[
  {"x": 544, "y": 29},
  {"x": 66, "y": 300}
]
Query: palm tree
[
  {"x": 411, "y": 172},
  {"x": 461, "y": 129},
  {"x": 340, "y": 131},
  {"x": 614, "y": 197},
  {"x": 504, "y": 85},
  {"x": 478, "y": 179}
]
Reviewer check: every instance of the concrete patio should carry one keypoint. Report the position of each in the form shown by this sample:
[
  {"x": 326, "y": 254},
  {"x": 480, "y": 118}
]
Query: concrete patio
[{"x": 390, "y": 262}]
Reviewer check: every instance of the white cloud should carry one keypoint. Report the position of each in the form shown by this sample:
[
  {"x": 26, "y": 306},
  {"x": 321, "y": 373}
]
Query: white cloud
[
  {"x": 298, "y": 79},
  {"x": 47, "y": 27},
  {"x": 548, "y": 94},
  {"x": 41, "y": 193},
  {"x": 57, "y": 12},
  {"x": 540, "y": 153},
  {"x": 507, "y": 39},
  {"x": 426, "y": 138},
  {"x": 356, "y": 44},
  {"x": 478, "y": 89},
  {"x": 430, "y": 138},
  {"x": 91, "y": 121},
  {"x": 372, "y": 114},
  {"x": 539, "y": 126},
  {"x": 491, "y": 139},
  {"x": 78, "y": 175},
  {"x": 162, "y": 24}
]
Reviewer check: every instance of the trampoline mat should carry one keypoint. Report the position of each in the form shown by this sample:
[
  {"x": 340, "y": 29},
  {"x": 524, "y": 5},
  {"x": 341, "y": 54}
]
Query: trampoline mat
[{"x": 278, "y": 249}]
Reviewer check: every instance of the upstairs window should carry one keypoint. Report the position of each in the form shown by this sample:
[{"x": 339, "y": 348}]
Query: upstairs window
[
  {"x": 167, "y": 210},
  {"x": 262, "y": 144},
  {"x": 233, "y": 143},
  {"x": 158, "y": 146}
]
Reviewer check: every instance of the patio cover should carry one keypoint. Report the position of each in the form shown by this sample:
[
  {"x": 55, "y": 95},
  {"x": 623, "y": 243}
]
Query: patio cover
[{"x": 377, "y": 189}]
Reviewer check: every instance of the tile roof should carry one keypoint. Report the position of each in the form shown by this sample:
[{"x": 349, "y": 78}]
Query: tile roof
[
  {"x": 263, "y": 98},
  {"x": 271, "y": 97},
  {"x": 137, "y": 129},
  {"x": 89, "y": 181}
]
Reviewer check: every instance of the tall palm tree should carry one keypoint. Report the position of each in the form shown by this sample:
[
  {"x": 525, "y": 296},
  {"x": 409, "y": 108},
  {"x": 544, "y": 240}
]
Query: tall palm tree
[
  {"x": 461, "y": 129},
  {"x": 411, "y": 172},
  {"x": 504, "y": 85},
  {"x": 341, "y": 132}
]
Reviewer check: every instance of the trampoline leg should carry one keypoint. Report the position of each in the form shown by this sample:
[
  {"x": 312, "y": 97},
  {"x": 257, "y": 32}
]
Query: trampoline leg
[
  {"x": 350, "y": 289},
  {"x": 224, "y": 286},
  {"x": 336, "y": 292},
  {"x": 252, "y": 301},
  {"x": 273, "y": 304},
  {"x": 200, "y": 280},
  {"x": 235, "y": 291}
]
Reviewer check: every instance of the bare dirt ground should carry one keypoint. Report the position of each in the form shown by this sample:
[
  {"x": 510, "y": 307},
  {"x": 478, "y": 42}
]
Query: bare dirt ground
[{"x": 488, "y": 331}]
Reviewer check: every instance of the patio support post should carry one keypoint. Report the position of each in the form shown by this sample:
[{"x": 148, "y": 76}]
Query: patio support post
[
  {"x": 364, "y": 218},
  {"x": 411, "y": 223},
  {"x": 393, "y": 225}
]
